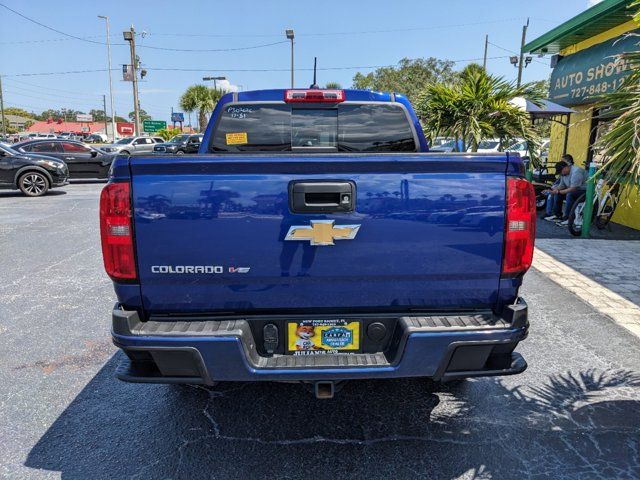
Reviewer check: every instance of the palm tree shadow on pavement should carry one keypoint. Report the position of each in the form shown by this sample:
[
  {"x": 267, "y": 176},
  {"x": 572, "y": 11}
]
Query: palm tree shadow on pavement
[{"x": 576, "y": 424}]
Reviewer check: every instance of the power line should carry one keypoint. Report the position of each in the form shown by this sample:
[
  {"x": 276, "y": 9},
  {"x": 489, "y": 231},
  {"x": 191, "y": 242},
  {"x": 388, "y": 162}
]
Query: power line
[
  {"x": 356, "y": 67},
  {"x": 48, "y": 40},
  {"x": 41, "y": 92},
  {"x": 68, "y": 72},
  {"x": 152, "y": 47},
  {"x": 410, "y": 29},
  {"x": 514, "y": 52},
  {"x": 50, "y": 28},
  {"x": 236, "y": 35},
  {"x": 166, "y": 49},
  {"x": 22, "y": 82},
  {"x": 177, "y": 69}
]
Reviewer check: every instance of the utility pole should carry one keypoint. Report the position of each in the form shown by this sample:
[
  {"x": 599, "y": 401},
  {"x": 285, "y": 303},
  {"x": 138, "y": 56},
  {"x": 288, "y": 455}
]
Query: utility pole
[
  {"x": 130, "y": 36},
  {"x": 291, "y": 36},
  {"x": 486, "y": 47},
  {"x": 4, "y": 123},
  {"x": 104, "y": 105},
  {"x": 113, "y": 115},
  {"x": 521, "y": 62}
]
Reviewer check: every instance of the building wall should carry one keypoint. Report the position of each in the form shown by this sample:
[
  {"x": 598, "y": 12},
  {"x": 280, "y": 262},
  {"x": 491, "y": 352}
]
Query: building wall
[
  {"x": 602, "y": 37},
  {"x": 628, "y": 210},
  {"x": 578, "y": 138}
]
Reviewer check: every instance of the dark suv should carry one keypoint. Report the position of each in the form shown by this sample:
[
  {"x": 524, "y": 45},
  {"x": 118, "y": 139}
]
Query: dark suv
[
  {"x": 34, "y": 175},
  {"x": 180, "y": 144}
]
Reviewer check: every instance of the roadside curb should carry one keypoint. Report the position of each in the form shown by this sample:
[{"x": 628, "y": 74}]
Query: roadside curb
[{"x": 604, "y": 300}]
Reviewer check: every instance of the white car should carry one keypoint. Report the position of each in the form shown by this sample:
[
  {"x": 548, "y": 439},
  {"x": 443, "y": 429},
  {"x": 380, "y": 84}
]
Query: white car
[
  {"x": 522, "y": 147},
  {"x": 488, "y": 146},
  {"x": 41, "y": 135},
  {"x": 132, "y": 145}
]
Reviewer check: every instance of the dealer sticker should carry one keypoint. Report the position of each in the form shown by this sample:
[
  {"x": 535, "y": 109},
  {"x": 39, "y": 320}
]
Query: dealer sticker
[
  {"x": 238, "y": 138},
  {"x": 337, "y": 337}
]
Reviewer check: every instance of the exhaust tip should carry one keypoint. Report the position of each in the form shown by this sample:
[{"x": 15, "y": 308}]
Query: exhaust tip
[{"x": 324, "y": 390}]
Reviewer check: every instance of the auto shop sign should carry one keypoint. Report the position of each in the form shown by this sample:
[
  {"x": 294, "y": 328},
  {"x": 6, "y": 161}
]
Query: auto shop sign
[{"x": 582, "y": 77}]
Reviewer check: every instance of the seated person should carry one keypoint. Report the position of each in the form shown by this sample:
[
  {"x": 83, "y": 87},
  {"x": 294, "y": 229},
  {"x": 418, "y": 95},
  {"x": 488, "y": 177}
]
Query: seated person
[{"x": 567, "y": 188}]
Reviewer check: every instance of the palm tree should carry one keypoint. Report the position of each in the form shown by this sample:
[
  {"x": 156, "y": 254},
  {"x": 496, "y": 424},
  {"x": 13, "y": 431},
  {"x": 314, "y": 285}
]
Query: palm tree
[
  {"x": 202, "y": 99},
  {"x": 333, "y": 86},
  {"x": 476, "y": 106},
  {"x": 620, "y": 145}
]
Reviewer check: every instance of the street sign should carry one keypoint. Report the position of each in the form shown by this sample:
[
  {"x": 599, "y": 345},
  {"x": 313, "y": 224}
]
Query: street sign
[
  {"x": 177, "y": 117},
  {"x": 84, "y": 117},
  {"x": 127, "y": 73},
  {"x": 152, "y": 126}
]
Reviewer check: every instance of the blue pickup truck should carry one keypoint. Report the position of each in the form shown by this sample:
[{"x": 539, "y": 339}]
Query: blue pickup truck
[{"x": 314, "y": 239}]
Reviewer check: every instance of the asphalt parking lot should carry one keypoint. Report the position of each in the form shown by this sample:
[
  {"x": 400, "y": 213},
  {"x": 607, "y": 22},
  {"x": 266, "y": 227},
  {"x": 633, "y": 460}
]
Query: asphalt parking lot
[{"x": 575, "y": 413}]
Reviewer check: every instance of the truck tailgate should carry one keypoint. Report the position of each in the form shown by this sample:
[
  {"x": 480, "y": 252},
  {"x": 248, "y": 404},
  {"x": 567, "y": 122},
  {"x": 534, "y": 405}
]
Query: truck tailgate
[{"x": 210, "y": 233}]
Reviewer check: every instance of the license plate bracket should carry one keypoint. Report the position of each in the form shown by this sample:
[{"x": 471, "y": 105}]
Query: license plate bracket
[{"x": 321, "y": 337}]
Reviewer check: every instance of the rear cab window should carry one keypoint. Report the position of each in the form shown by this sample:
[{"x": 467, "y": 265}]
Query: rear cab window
[{"x": 280, "y": 127}]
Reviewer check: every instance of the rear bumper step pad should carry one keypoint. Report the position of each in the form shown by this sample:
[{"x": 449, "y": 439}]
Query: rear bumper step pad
[{"x": 200, "y": 350}]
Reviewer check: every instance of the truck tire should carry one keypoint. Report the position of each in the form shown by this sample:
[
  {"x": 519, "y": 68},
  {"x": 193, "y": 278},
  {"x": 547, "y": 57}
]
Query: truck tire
[
  {"x": 33, "y": 184},
  {"x": 180, "y": 152}
]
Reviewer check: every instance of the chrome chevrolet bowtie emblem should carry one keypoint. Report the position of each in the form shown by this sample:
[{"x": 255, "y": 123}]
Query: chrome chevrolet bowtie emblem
[{"x": 322, "y": 232}]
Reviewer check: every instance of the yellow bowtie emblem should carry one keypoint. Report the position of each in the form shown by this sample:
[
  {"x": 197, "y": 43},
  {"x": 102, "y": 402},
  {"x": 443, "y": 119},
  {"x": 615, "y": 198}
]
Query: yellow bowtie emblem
[{"x": 322, "y": 232}]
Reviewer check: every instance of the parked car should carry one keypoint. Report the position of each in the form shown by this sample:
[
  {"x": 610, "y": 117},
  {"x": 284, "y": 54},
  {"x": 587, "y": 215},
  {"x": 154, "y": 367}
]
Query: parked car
[
  {"x": 96, "y": 138},
  {"x": 32, "y": 174},
  {"x": 447, "y": 146},
  {"x": 281, "y": 255},
  {"x": 180, "y": 144},
  {"x": 523, "y": 148},
  {"x": 133, "y": 145},
  {"x": 41, "y": 135},
  {"x": 488, "y": 146},
  {"x": 83, "y": 161}
]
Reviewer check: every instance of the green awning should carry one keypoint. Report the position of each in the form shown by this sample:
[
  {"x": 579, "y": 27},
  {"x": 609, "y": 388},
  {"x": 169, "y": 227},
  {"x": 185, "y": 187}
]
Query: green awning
[{"x": 601, "y": 17}]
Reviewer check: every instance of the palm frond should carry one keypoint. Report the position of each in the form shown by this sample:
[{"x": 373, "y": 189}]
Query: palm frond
[
  {"x": 620, "y": 144},
  {"x": 476, "y": 107}
]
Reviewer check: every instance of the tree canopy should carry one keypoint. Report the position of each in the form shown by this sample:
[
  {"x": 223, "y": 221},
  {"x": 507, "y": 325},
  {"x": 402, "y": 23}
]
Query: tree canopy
[
  {"x": 476, "y": 107},
  {"x": 142, "y": 113},
  {"x": 20, "y": 112},
  {"x": 409, "y": 77},
  {"x": 202, "y": 99}
]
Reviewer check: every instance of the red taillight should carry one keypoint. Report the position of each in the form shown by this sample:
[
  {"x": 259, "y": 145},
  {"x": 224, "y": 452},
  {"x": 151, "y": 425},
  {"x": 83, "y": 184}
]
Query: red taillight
[
  {"x": 116, "y": 233},
  {"x": 311, "y": 96},
  {"x": 520, "y": 229}
]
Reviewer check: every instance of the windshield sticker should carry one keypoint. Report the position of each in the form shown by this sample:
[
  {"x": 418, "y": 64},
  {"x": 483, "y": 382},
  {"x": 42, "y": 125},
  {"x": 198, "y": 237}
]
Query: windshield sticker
[
  {"x": 238, "y": 138},
  {"x": 239, "y": 112}
]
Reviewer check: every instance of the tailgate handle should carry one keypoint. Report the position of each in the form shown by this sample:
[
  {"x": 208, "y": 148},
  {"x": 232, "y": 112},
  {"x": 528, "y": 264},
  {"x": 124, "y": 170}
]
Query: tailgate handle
[{"x": 322, "y": 196}]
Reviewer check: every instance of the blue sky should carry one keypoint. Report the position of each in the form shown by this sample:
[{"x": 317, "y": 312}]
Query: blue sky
[{"x": 340, "y": 33}]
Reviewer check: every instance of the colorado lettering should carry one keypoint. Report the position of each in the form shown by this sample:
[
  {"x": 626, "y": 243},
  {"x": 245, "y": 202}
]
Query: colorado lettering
[{"x": 212, "y": 269}]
